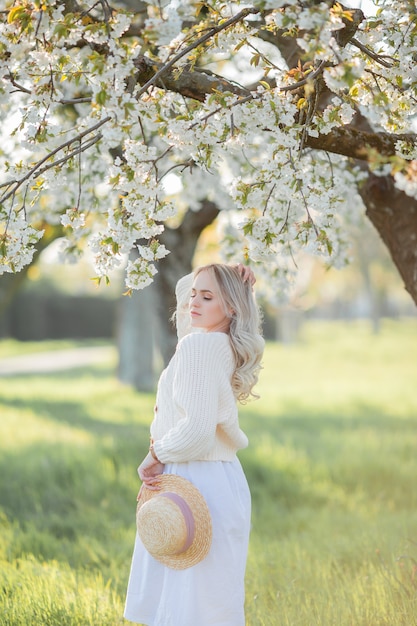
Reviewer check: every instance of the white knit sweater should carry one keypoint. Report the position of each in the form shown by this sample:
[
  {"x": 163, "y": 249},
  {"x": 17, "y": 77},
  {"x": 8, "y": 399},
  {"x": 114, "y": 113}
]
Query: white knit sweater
[{"x": 196, "y": 415}]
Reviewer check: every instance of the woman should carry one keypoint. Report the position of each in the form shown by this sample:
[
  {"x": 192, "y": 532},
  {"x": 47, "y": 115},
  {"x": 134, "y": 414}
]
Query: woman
[{"x": 195, "y": 434}]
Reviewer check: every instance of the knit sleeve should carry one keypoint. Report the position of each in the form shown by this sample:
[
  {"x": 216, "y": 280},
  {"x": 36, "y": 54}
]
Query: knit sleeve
[
  {"x": 199, "y": 369},
  {"x": 182, "y": 294}
]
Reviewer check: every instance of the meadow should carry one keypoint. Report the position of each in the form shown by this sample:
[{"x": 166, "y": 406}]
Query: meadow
[{"x": 332, "y": 466}]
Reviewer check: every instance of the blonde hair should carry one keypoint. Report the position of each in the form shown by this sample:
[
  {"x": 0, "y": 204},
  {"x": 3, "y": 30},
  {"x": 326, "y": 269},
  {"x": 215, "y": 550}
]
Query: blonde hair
[{"x": 245, "y": 326}]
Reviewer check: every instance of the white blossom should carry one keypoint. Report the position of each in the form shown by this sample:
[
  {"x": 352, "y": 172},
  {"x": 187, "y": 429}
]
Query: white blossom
[{"x": 72, "y": 108}]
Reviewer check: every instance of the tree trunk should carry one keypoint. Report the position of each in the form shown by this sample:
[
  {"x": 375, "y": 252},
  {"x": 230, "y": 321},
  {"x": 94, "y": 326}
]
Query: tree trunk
[
  {"x": 182, "y": 242},
  {"x": 135, "y": 339},
  {"x": 394, "y": 215},
  {"x": 145, "y": 329}
]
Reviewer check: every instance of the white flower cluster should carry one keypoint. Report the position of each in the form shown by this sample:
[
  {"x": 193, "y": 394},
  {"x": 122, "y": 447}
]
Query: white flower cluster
[
  {"x": 407, "y": 180},
  {"x": 138, "y": 216},
  {"x": 139, "y": 272},
  {"x": 17, "y": 242},
  {"x": 73, "y": 97},
  {"x": 73, "y": 218}
]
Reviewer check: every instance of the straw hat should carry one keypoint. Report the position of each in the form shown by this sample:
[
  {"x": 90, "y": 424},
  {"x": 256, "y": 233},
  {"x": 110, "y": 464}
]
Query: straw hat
[{"x": 174, "y": 522}]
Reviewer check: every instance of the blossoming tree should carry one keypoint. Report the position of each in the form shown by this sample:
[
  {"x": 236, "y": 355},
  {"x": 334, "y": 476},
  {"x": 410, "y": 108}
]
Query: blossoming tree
[{"x": 288, "y": 116}]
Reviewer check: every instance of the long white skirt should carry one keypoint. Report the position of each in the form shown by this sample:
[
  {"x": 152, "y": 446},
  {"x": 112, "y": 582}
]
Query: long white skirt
[{"x": 210, "y": 593}]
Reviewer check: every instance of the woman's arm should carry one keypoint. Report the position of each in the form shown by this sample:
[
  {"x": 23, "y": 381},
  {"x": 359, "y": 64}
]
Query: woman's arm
[
  {"x": 201, "y": 365},
  {"x": 182, "y": 313}
]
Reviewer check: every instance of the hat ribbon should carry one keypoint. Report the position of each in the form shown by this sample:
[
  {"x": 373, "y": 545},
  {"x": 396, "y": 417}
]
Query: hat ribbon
[{"x": 187, "y": 514}]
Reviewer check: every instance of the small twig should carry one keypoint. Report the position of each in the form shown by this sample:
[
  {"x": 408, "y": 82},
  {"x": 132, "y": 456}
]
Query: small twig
[
  {"x": 300, "y": 189},
  {"x": 190, "y": 163},
  {"x": 375, "y": 75},
  {"x": 331, "y": 167},
  {"x": 292, "y": 255},
  {"x": 400, "y": 44},
  {"x": 38, "y": 25},
  {"x": 67, "y": 157},
  {"x": 312, "y": 107},
  {"x": 15, "y": 84},
  {"x": 310, "y": 219},
  {"x": 268, "y": 198},
  {"x": 285, "y": 224},
  {"x": 309, "y": 78},
  {"x": 142, "y": 130},
  {"x": 263, "y": 57},
  {"x": 221, "y": 108},
  {"x": 17, "y": 183},
  {"x": 7, "y": 183},
  {"x": 23, "y": 207},
  {"x": 155, "y": 161},
  {"x": 107, "y": 10},
  {"x": 62, "y": 101},
  {"x": 379, "y": 58}
]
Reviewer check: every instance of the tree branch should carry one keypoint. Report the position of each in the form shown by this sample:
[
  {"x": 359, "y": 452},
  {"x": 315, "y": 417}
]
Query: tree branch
[
  {"x": 198, "y": 42},
  {"x": 382, "y": 59},
  {"x": 354, "y": 143},
  {"x": 345, "y": 140},
  {"x": 194, "y": 84}
]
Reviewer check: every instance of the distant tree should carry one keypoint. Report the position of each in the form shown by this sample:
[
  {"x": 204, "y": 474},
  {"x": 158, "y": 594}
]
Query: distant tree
[{"x": 290, "y": 113}]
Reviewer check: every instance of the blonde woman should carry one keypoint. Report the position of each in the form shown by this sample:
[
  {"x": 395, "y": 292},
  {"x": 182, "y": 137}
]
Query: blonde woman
[{"x": 195, "y": 434}]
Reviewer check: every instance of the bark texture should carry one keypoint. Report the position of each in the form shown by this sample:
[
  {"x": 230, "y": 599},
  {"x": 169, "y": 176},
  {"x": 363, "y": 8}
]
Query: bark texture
[
  {"x": 182, "y": 241},
  {"x": 196, "y": 83},
  {"x": 135, "y": 339},
  {"x": 394, "y": 215},
  {"x": 358, "y": 144}
]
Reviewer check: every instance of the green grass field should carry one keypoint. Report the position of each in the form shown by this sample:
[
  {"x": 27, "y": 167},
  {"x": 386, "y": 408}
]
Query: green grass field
[{"x": 332, "y": 467}]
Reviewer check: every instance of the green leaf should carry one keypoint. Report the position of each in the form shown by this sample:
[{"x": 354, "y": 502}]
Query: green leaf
[
  {"x": 16, "y": 14},
  {"x": 101, "y": 97},
  {"x": 255, "y": 60},
  {"x": 248, "y": 227}
]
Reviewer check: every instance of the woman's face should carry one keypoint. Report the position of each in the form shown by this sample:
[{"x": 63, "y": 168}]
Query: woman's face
[{"x": 206, "y": 308}]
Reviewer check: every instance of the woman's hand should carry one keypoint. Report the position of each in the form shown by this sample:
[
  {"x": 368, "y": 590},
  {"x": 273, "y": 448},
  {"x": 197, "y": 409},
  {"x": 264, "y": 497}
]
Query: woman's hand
[
  {"x": 247, "y": 274},
  {"x": 149, "y": 471}
]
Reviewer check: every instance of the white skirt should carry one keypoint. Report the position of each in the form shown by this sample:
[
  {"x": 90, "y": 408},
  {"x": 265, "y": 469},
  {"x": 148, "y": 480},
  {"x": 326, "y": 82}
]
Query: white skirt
[{"x": 212, "y": 592}]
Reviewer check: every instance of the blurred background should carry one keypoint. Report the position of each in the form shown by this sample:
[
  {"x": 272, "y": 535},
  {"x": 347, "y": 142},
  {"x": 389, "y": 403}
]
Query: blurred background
[
  {"x": 53, "y": 300},
  {"x": 331, "y": 462}
]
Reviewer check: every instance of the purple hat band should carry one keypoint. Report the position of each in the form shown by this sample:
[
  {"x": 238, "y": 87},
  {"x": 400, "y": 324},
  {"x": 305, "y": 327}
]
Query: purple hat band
[{"x": 187, "y": 515}]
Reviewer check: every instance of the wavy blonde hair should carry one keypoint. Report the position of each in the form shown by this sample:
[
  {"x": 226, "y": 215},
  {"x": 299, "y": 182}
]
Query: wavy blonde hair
[{"x": 245, "y": 326}]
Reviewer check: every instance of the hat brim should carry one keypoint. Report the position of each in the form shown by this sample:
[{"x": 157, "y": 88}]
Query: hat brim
[{"x": 202, "y": 520}]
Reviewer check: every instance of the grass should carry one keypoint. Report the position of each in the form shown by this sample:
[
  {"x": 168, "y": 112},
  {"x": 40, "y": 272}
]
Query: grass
[
  {"x": 331, "y": 466},
  {"x": 11, "y": 347}
]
